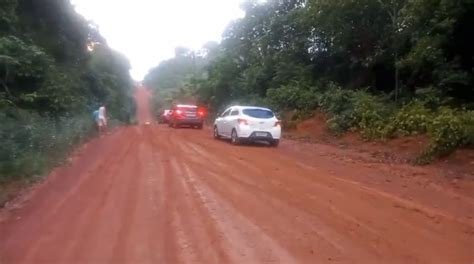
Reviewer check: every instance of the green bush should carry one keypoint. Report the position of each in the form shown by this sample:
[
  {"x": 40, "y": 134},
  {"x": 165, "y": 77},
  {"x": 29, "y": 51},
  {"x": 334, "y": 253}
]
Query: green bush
[
  {"x": 468, "y": 121},
  {"x": 376, "y": 117},
  {"x": 413, "y": 118},
  {"x": 449, "y": 130},
  {"x": 32, "y": 144},
  {"x": 294, "y": 96},
  {"x": 371, "y": 114},
  {"x": 338, "y": 124},
  {"x": 337, "y": 103},
  {"x": 356, "y": 110},
  {"x": 335, "y": 100}
]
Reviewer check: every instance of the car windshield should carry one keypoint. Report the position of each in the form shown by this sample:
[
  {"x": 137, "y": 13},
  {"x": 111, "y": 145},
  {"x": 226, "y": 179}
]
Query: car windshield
[{"x": 258, "y": 113}]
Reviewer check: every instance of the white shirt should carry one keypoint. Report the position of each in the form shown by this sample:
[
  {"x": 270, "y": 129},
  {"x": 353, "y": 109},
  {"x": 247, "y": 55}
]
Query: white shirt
[{"x": 102, "y": 112}]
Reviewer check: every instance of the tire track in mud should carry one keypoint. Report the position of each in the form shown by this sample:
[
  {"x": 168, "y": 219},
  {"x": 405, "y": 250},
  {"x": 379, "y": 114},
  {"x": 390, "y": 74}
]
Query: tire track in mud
[
  {"x": 264, "y": 210},
  {"x": 100, "y": 204},
  {"x": 250, "y": 242},
  {"x": 233, "y": 175},
  {"x": 163, "y": 232},
  {"x": 350, "y": 220},
  {"x": 193, "y": 233},
  {"x": 127, "y": 200}
]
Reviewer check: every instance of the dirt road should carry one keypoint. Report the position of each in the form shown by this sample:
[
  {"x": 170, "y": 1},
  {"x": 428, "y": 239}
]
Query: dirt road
[{"x": 152, "y": 194}]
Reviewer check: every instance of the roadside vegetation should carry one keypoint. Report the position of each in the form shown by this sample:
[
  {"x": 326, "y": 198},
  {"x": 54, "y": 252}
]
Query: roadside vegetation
[
  {"x": 384, "y": 68},
  {"x": 55, "y": 69}
]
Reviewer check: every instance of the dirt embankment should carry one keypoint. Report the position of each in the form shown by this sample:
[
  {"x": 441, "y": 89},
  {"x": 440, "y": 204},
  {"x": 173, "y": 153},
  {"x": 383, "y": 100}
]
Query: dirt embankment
[
  {"x": 459, "y": 164},
  {"x": 152, "y": 194}
]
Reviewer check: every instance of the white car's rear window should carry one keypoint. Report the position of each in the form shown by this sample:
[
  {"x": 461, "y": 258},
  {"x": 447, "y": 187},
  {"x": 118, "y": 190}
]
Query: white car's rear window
[{"x": 258, "y": 113}]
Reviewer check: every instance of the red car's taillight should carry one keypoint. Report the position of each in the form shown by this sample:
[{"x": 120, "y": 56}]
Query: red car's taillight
[{"x": 178, "y": 114}]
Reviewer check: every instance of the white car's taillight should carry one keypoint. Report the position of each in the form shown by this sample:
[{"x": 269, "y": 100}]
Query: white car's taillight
[{"x": 242, "y": 122}]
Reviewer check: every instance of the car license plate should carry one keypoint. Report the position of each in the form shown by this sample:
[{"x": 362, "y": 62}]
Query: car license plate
[{"x": 261, "y": 134}]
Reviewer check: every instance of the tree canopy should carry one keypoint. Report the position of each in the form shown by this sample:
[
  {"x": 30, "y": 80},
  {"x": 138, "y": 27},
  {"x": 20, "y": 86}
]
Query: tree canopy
[
  {"x": 55, "y": 68},
  {"x": 396, "y": 47},
  {"x": 46, "y": 65}
]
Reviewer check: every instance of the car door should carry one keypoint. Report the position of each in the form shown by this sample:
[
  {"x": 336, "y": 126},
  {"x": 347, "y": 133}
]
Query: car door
[
  {"x": 227, "y": 123},
  {"x": 232, "y": 120},
  {"x": 221, "y": 123}
]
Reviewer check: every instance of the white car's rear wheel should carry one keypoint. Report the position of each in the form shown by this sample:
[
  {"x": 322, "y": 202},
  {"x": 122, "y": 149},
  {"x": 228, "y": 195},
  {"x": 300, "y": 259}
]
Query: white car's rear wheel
[
  {"x": 234, "y": 138},
  {"x": 275, "y": 143},
  {"x": 216, "y": 133}
]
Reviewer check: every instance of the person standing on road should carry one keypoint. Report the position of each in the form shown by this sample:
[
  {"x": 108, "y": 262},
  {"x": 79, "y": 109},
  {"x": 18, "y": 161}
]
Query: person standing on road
[{"x": 102, "y": 119}]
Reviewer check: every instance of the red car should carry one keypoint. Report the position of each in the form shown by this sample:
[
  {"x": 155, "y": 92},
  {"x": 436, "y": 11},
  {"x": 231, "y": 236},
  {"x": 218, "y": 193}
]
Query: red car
[
  {"x": 165, "y": 116},
  {"x": 187, "y": 115}
]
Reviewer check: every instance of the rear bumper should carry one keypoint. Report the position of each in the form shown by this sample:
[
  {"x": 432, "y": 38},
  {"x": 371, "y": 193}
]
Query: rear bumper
[
  {"x": 189, "y": 122},
  {"x": 245, "y": 132},
  {"x": 255, "y": 137}
]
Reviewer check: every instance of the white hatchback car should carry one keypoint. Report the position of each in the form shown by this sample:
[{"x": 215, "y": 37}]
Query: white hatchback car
[{"x": 248, "y": 123}]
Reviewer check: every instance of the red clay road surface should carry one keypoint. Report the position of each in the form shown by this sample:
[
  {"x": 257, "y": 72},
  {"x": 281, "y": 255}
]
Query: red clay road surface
[{"x": 153, "y": 194}]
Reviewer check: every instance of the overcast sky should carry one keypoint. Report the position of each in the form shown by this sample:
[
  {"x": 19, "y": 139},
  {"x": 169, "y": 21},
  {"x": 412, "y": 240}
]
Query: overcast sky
[{"x": 147, "y": 31}]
